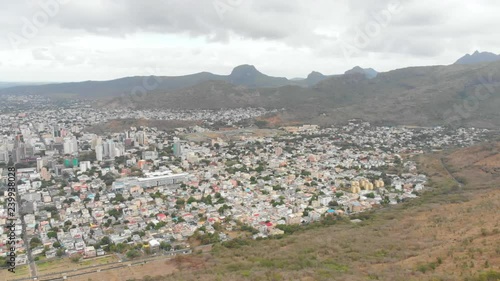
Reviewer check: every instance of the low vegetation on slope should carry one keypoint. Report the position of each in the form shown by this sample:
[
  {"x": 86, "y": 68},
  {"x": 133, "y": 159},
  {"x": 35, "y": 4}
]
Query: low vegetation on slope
[{"x": 432, "y": 95}]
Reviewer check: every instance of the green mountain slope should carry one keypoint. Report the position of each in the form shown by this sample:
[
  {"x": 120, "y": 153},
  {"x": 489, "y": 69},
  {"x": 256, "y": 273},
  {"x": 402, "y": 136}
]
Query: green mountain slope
[{"x": 434, "y": 95}]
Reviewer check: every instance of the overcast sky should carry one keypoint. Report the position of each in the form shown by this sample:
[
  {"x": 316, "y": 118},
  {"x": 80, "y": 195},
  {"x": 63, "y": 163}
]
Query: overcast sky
[{"x": 76, "y": 40}]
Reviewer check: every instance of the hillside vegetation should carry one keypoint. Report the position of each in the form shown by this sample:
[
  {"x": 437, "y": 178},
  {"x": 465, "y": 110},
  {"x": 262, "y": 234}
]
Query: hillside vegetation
[{"x": 458, "y": 95}]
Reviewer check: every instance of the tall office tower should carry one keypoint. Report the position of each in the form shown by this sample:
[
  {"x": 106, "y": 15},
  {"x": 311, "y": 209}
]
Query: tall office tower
[
  {"x": 39, "y": 164},
  {"x": 99, "y": 152},
  {"x": 70, "y": 145},
  {"x": 74, "y": 144},
  {"x": 119, "y": 149},
  {"x": 177, "y": 149},
  {"x": 29, "y": 151},
  {"x": 109, "y": 149},
  {"x": 67, "y": 146},
  {"x": 19, "y": 153},
  {"x": 56, "y": 131},
  {"x": 141, "y": 138},
  {"x": 93, "y": 142}
]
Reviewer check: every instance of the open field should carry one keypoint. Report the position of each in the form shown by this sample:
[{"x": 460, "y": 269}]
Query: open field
[
  {"x": 66, "y": 264},
  {"x": 21, "y": 272},
  {"x": 45, "y": 268},
  {"x": 130, "y": 272}
]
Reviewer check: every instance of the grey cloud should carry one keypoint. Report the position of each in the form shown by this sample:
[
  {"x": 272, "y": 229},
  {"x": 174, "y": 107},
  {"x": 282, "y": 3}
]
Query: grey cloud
[
  {"x": 421, "y": 30},
  {"x": 42, "y": 54}
]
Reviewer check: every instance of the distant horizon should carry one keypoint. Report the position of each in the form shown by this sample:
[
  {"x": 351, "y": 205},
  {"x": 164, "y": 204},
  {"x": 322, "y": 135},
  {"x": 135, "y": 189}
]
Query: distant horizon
[{"x": 229, "y": 72}]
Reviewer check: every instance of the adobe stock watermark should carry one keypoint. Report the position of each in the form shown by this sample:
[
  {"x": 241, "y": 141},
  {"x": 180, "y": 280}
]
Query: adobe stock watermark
[
  {"x": 55, "y": 53},
  {"x": 371, "y": 29},
  {"x": 31, "y": 26},
  {"x": 224, "y": 6},
  {"x": 138, "y": 93},
  {"x": 463, "y": 110}
]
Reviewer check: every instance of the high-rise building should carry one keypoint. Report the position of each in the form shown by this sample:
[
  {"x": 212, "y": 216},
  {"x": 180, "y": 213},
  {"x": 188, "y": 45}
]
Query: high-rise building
[
  {"x": 29, "y": 151},
  {"x": 19, "y": 153},
  {"x": 177, "y": 149},
  {"x": 70, "y": 145},
  {"x": 99, "y": 152},
  {"x": 96, "y": 141},
  {"x": 109, "y": 149},
  {"x": 67, "y": 147},
  {"x": 141, "y": 138},
  {"x": 39, "y": 164},
  {"x": 56, "y": 131},
  {"x": 119, "y": 149}
]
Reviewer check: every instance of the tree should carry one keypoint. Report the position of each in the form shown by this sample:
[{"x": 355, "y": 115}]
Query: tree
[
  {"x": 56, "y": 245},
  {"x": 305, "y": 173},
  {"x": 115, "y": 213},
  {"x": 76, "y": 258},
  {"x": 52, "y": 234},
  {"x": 261, "y": 123},
  {"x": 35, "y": 242},
  {"x": 333, "y": 203},
  {"x": 132, "y": 254},
  {"x": 397, "y": 160},
  {"x": 165, "y": 246},
  {"x": 191, "y": 200},
  {"x": 60, "y": 252},
  {"x": 105, "y": 240},
  {"x": 180, "y": 202}
]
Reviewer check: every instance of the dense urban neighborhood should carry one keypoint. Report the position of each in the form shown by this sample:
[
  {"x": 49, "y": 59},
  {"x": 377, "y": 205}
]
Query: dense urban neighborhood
[
  {"x": 145, "y": 190},
  {"x": 249, "y": 140}
]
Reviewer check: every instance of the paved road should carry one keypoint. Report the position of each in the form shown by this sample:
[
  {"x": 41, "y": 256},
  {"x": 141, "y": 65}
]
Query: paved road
[{"x": 31, "y": 261}]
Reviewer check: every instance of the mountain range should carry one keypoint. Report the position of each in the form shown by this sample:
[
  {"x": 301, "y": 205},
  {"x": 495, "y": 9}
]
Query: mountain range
[
  {"x": 465, "y": 93},
  {"x": 458, "y": 95},
  {"x": 368, "y": 72},
  {"x": 478, "y": 57},
  {"x": 243, "y": 75}
]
